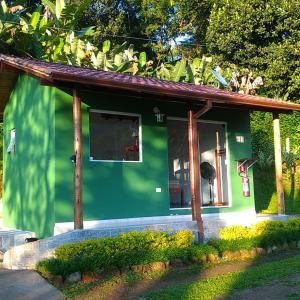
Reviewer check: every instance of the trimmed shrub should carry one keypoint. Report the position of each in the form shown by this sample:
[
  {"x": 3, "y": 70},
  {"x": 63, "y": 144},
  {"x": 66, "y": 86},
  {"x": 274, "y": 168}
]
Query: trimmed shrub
[
  {"x": 53, "y": 266},
  {"x": 198, "y": 251},
  {"x": 143, "y": 248},
  {"x": 125, "y": 242},
  {"x": 235, "y": 245},
  {"x": 236, "y": 232}
]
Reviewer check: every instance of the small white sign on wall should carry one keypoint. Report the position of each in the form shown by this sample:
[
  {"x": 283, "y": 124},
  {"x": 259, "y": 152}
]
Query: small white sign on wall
[
  {"x": 12, "y": 143},
  {"x": 158, "y": 190}
]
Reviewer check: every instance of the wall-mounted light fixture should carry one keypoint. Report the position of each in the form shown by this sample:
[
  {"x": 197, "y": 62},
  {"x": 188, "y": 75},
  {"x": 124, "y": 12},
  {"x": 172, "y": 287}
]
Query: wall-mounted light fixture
[
  {"x": 158, "y": 115},
  {"x": 73, "y": 159},
  {"x": 12, "y": 143}
]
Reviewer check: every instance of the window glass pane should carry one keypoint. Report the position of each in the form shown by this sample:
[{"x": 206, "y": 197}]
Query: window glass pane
[
  {"x": 179, "y": 187},
  {"x": 213, "y": 164},
  {"x": 114, "y": 137}
]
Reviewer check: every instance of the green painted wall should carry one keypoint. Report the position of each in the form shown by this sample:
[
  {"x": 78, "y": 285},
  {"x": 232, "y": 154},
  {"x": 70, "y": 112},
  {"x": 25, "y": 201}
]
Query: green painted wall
[
  {"x": 38, "y": 178},
  {"x": 28, "y": 198},
  {"x": 123, "y": 189}
]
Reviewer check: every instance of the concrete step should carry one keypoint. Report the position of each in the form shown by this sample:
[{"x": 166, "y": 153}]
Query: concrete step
[{"x": 12, "y": 237}]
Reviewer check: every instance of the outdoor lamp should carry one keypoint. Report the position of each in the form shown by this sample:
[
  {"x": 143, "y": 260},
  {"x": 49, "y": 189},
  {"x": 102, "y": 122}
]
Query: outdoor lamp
[
  {"x": 158, "y": 115},
  {"x": 73, "y": 158}
]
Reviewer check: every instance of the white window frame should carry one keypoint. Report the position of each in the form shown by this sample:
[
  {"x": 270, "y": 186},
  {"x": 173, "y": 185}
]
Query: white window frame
[
  {"x": 140, "y": 136},
  {"x": 228, "y": 165}
]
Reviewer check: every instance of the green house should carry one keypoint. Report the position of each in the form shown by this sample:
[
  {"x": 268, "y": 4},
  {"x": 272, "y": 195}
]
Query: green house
[{"x": 94, "y": 149}]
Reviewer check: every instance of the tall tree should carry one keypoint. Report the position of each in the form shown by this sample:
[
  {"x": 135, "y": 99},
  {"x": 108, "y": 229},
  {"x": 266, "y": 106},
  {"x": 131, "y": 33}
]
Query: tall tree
[{"x": 261, "y": 35}]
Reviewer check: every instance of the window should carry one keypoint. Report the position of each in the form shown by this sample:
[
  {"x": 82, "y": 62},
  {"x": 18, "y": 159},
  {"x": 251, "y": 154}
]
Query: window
[{"x": 114, "y": 136}]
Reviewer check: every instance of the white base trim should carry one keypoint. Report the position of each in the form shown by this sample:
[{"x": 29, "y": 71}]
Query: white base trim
[{"x": 245, "y": 217}]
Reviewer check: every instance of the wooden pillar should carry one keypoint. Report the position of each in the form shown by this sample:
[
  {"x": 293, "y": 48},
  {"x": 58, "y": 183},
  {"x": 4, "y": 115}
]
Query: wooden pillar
[
  {"x": 194, "y": 166},
  {"x": 78, "y": 214},
  {"x": 278, "y": 164}
]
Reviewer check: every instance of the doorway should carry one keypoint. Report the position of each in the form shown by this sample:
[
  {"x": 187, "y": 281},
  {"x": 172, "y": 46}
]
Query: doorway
[{"x": 213, "y": 164}]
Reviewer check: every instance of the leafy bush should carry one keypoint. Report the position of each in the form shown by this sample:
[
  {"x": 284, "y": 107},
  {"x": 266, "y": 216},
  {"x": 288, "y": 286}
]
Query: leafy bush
[
  {"x": 141, "y": 248},
  {"x": 198, "y": 251},
  {"x": 128, "y": 249},
  {"x": 266, "y": 227},
  {"x": 53, "y": 266},
  {"x": 235, "y": 245},
  {"x": 131, "y": 241},
  {"x": 263, "y": 234},
  {"x": 236, "y": 232}
]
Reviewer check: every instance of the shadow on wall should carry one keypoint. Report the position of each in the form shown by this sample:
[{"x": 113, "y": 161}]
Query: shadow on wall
[
  {"x": 29, "y": 171},
  {"x": 111, "y": 189}
]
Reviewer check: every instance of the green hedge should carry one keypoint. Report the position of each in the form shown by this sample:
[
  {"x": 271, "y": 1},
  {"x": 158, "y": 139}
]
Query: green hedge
[
  {"x": 141, "y": 248},
  {"x": 126, "y": 250},
  {"x": 264, "y": 235}
]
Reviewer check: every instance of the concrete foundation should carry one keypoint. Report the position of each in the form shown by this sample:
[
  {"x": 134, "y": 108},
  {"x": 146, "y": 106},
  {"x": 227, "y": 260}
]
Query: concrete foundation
[{"x": 27, "y": 255}]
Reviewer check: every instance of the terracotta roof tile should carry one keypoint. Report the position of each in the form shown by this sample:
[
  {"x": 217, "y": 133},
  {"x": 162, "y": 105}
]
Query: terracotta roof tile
[{"x": 66, "y": 73}]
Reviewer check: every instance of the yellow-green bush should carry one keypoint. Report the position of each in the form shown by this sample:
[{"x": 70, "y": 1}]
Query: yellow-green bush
[{"x": 236, "y": 232}]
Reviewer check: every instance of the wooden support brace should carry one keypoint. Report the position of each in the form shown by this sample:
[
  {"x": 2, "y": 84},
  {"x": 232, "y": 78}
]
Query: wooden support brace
[
  {"x": 203, "y": 110},
  {"x": 278, "y": 164},
  {"x": 78, "y": 212}
]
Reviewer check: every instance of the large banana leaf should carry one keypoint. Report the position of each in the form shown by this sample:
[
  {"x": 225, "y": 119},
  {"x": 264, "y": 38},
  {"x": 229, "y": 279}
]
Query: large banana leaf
[{"x": 179, "y": 70}]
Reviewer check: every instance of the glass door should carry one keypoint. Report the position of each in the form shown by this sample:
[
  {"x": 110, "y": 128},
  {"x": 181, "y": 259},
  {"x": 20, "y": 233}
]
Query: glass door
[{"x": 213, "y": 164}]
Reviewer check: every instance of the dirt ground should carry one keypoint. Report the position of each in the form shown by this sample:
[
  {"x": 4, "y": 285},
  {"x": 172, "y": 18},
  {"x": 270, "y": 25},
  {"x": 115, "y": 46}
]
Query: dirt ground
[{"x": 284, "y": 289}]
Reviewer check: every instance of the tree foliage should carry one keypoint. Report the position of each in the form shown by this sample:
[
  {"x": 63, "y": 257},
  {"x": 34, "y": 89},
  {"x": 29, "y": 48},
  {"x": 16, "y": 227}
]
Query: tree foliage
[{"x": 261, "y": 35}]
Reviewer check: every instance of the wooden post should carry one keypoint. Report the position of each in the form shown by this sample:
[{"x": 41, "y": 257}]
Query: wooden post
[
  {"x": 194, "y": 166},
  {"x": 78, "y": 214},
  {"x": 278, "y": 164}
]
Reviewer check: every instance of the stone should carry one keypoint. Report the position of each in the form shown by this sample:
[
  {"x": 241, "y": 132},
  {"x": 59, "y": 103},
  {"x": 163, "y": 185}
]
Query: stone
[
  {"x": 74, "y": 277},
  {"x": 194, "y": 259},
  {"x": 177, "y": 262},
  {"x": 293, "y": 245},
  {"x": 113, "y": 271},
  {"x": 203, "y": 259},
  {"x": 245, "y": 253},
  {"x": 261, "y": 251},
  {"x": 157, "y": 266},
  {"x": 285, "y": 246},
  {"x": 269, "y": 250},
  {"x": 274, "y": 249},
  {"x": 212, "y": 258},
  {"x": 1, "y": 256},
  {"x": 167, "y": 264},
  {"x": 252, "y": 252},
  {"x": 138, "y": 268},
  {"x": 125, "y": 270},
  {"x": 226, "y": 254},
  {"x": 56, "y": 280},
  {"x": 88, "y": 277}
]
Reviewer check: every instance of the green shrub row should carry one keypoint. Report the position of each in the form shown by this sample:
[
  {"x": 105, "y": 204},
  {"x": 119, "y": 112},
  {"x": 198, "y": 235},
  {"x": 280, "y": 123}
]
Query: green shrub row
[
  {"x": 126, "y": 242},
  {"x": 97, "y": 255},
  {"x": 141, "y": 248},
  {"x": 263, "y": 234}
]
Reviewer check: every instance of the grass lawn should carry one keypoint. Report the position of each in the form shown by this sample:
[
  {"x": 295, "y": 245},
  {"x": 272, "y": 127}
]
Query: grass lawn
[
  {"x": 265, "y": 192},
  {"x": 226, "y": 285}
]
